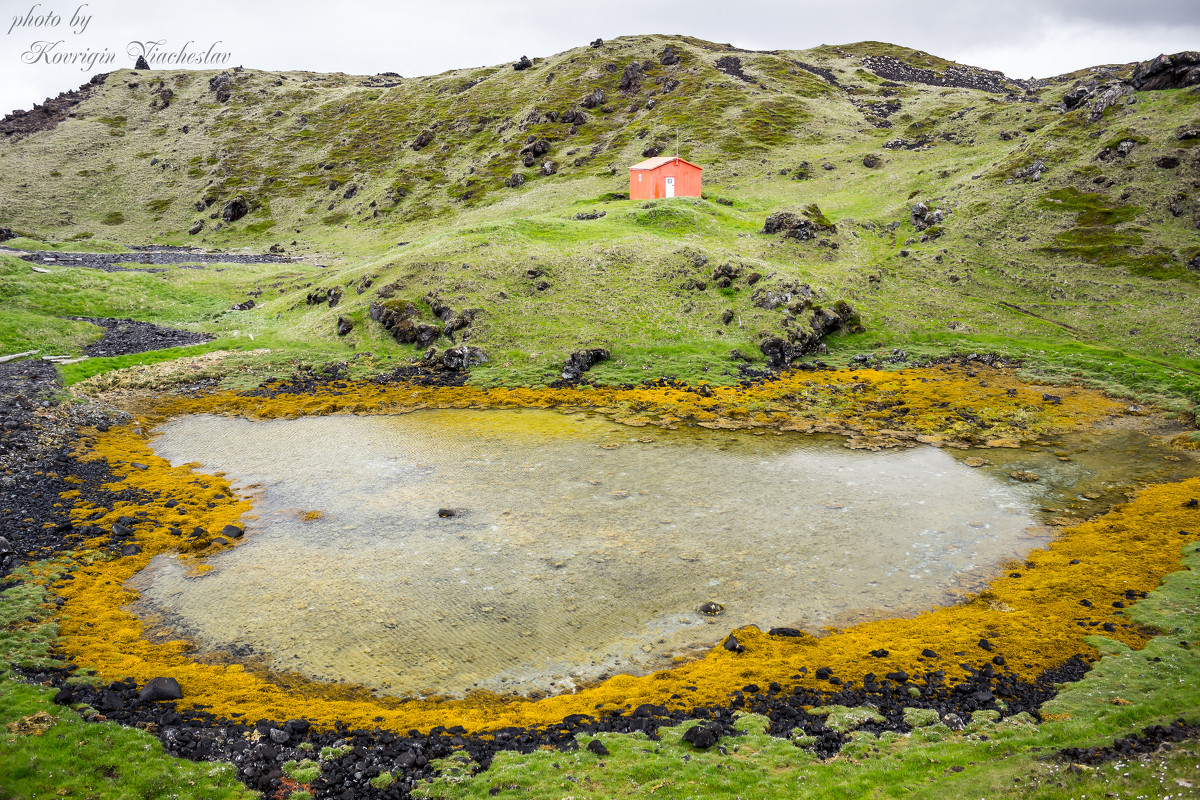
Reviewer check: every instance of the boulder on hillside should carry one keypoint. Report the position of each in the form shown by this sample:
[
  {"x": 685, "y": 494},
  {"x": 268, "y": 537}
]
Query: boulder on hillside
[
  {"x": 6, "y": 234},
  {"x": 141, "y": 63},
  {"x": 344, "y": 326},
  {"x": 523, "y": 63},
  {"x": 462, "y": 357},
  {"x": 1032, "y": 173},
  {"x": 781, "y": 352},
  {"x": 807, "y": 224},
  {"x": 235, "y": 209},
  {"x": 1116, "y": 94},
  {"x": 593, "y": 99},
  {"x": 670, "y": 56},
  {"x": 581, "y": 361},
  {"x": 1076, "y": 97},
  {"x": 923, "y": 219},
  {"x": 631, "y": 78},
  {"x": 423, "y": 138},
  {"x": 222, "y": 85},
  {"x": 872, "y": 161}
]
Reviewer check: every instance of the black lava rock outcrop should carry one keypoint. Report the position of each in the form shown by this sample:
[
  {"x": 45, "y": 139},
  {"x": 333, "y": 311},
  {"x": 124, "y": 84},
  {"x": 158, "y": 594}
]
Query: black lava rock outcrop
[
  {"x": 235, "y": 209},
  {"x": 960, "y": 77},
  {"x": 423, "y": 138},
  {"x": 403, "y": 322},
  {"x": 581, "y": 361},
  {"x": 461, "y": 357},
  {"x": 792, "y": 226},
  {"x": 50, "y": 112},
  {"x": 799, "y": 341},
  {"x": 1168, "y": 72}
]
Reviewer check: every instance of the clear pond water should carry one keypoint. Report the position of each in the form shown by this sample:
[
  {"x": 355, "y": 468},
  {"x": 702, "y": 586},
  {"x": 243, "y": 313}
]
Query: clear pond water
[{"x": 579, "y": 547}]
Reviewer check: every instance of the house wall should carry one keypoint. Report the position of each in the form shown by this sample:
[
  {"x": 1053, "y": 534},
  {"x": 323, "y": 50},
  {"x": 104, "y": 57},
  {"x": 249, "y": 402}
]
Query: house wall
[{"x": 653, "y": 183}]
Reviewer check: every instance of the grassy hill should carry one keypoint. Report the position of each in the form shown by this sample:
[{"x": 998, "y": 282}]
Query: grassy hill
[{"x": 399, "y": 184}]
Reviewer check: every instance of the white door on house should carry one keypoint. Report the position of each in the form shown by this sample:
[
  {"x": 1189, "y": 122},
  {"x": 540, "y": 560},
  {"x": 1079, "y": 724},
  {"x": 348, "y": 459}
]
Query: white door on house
[{"x": 670, "y": 187}]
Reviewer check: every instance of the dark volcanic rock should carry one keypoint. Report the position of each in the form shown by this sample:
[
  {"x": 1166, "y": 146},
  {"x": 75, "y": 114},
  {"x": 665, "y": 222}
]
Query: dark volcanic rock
[
  {"x": 961, "y": 77},
  {"x": 423, "y": 138},
  {"x": 593, "y": 99},
  {"x": 344, "y": 326},
  {"x": 792, "y": 226},
  {"x": 160, "y": 689},
  {"x": 141, "y": 63},
  {"x": 732, "y": 66},
  {"x": 125, "y": 336},
  {"x": 463, "y": 356},
  {"x": 781, "y": 352},
  {"x": 1076, "y": 96},
  {"x": 522, "y": 64},
  {"x": 48, "y": 114},
  {"x": 702, "y": 736},
  {"x": 1168, "y": 72},
  {"x": 581, "y": 361},
  {"x": 235, "y": 209},
  {"x": 6, "y": 234},
  {"x": 631, "y": 78}
]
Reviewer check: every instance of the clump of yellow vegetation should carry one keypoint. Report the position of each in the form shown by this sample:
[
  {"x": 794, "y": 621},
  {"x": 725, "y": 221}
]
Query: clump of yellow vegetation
[{"x": 1035, "y": 615}]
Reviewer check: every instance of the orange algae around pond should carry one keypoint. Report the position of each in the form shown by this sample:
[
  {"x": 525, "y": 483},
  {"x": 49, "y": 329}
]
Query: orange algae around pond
[{"x": 1031, "y": 615}]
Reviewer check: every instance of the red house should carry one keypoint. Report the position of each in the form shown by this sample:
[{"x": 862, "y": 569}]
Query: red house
[{"x": 664, "y": 176}]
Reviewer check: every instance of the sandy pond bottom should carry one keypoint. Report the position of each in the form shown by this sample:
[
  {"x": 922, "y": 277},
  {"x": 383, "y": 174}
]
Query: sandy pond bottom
[{"x": 580, "y": 547}]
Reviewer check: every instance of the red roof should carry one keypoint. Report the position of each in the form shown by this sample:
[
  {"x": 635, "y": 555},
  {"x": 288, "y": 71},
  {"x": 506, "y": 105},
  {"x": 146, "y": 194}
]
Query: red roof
[{"x": 658, "y": 161}]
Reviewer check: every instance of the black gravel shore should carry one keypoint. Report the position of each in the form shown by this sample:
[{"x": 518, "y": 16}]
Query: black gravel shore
[{"x": 110, "y": 262}]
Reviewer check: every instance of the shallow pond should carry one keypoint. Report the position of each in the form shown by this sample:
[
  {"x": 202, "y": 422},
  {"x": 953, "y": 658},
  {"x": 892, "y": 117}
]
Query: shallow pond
[{"x": 580, "y": 547}]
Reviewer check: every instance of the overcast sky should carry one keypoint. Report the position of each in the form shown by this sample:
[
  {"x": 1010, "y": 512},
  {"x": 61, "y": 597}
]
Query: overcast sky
[{"x": 1022, "y": 38}]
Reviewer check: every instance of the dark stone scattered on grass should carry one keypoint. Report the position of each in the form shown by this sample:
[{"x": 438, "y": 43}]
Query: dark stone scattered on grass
[
  {"x": 702, "y": 736},
  {"x": 1150, "y": 740},
  {"x": 597, "y": 747},
  {"x": 232, "y": 532}
]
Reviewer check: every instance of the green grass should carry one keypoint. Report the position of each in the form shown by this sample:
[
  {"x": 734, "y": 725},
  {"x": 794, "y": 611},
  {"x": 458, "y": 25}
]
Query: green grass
[{"x": 74, "y": 758}]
